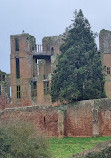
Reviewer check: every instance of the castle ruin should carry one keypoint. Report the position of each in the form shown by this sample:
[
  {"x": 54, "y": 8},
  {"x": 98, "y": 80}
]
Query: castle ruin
[{"x": 31, "y": 69}]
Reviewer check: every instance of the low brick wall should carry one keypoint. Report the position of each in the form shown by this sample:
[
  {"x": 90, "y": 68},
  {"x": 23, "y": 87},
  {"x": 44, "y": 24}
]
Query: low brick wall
[
  {"x": 44, "y": 118},
  {"x": 78, "y": 120},
  {"x": 105, "y": 117},
  {"x": 84, "y": 118}
]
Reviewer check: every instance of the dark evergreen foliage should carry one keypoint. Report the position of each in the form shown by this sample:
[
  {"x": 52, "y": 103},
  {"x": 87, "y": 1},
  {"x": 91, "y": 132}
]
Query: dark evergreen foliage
[{"x": 79, "y": 72}]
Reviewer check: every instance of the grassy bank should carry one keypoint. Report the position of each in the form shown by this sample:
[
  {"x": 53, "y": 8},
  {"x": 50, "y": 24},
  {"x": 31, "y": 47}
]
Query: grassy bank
[{"x": 65, "y": 147}]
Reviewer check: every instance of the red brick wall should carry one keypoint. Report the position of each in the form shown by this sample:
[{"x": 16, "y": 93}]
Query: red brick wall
[
  {"x": 85, "y": 118},
  {"x": 105, "y": 49},
  {"x": 105, "y": 123},
  {"x": 78, "y": 120},
  {"x": 67, "y": 120},
  {"x": 105, "y": 118},
  {"x": 37, "y": 116}
]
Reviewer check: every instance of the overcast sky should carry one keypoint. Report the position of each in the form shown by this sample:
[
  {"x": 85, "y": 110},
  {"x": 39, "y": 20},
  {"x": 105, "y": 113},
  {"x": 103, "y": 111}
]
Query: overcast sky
[{"x": 46, "y": 18}]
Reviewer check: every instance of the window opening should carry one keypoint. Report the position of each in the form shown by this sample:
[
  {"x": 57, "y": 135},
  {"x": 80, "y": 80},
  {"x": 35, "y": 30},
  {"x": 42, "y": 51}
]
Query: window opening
[
  {"x": 0, "y": 89},
  {"x": 16, "y": 44},
  {"x": 0, "y": 77},
  {"x": 104, "y": 68},
  {"x": 108, "y": 70},
  {"x": 3, "y": 77},
  {"x": 10, "y": 91},
  {"x": 37, "y": 67},
  {"x": 34, "y": 67},
  {"x": 52, "y": 49},
  {"x": 44, "y": 122},
  {"x": 33, "y": 48},
  {"x": 44, "y": 76},
  {"x": 18, "y": 92},
  {"x": 46, "y": 87},
  {"x": 17, "y": 68},
  {"x": 34, "y": 89}
]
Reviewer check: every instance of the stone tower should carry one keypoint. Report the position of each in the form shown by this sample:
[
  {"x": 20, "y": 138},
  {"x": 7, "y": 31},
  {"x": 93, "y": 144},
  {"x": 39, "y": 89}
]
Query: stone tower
[
  {"x": 23, "y": 48},
  {"x": 105, "y": 49},
  {"x": 31, "y": 68}
]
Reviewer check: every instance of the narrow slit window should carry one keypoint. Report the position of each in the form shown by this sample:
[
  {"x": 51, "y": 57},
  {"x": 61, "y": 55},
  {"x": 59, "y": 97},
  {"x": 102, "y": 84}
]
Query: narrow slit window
[
  {"x": 34, "y": 89},
  {"x": 18, "y": 92},
  {"x": 17, "y": 68},
  {"x": 44, "y": 122},
  {"x": 16, "y": 44},
  {"x": 34, "y": 67}
]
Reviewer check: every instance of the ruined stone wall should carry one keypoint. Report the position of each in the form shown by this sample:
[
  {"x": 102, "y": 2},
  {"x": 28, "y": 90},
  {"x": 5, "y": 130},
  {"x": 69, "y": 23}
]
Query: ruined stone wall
[
  {"x": 44, "y": 118},
  {"x": 78, "y": 120},
  {"x": 53, "y": 45},
  {"x": 44, "y": 69},
  {"x": 32, "y": 73},
  {"x": 105, "y": 117},
  {"x": 84, "y": 118},
  {"x": 26, "y": 47},
  {"x": 4, "y": 90},
  {"x": 47, "y": 66},
  {"x": 105, "y": 50},
  {"x": 43, "y": 99}
]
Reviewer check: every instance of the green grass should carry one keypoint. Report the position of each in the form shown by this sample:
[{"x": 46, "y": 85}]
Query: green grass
[{"x": 65, "y": 147}]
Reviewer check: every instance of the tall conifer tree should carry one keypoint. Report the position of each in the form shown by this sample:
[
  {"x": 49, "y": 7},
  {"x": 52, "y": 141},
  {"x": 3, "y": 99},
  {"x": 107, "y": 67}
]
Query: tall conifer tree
[{"x": 79, "y": 71}]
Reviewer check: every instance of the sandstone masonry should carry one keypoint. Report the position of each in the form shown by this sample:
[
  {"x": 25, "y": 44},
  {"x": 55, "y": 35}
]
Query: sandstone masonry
[
  {"x": 31, "y": 68},
  {"x": 29, "y": 98},
  {"x": 85, "y": 118}
]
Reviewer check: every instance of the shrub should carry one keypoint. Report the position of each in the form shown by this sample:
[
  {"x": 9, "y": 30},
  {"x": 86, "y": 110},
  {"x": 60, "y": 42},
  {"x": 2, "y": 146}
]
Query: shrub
[
  {"x": 19, "y": 140},
  {"x": 105, "y": 153}
]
